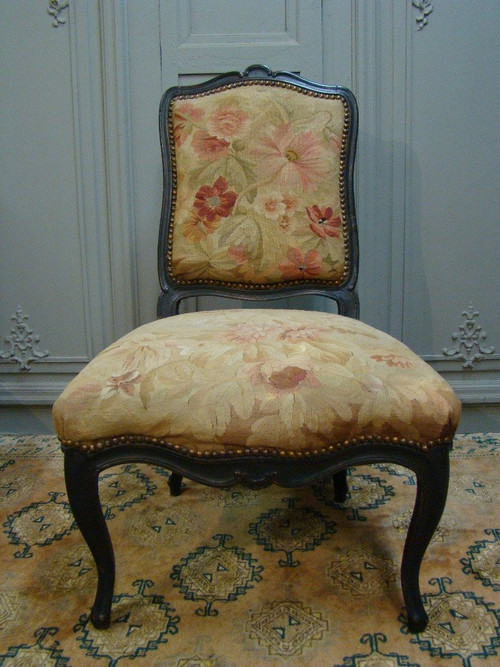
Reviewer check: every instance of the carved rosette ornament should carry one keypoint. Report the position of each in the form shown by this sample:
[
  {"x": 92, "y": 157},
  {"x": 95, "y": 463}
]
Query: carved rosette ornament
[
  {"x": 55, "y": 9},
  {"x": 469, "y": 337},
  {"x": 425, "y": 7},
  {"x": 23, "y": 343}
]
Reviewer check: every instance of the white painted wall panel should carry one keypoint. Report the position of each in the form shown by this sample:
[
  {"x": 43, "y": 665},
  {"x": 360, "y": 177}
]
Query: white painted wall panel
[
  {"x": 54, "y": 261},
  {"x": 200, "y": 37},
  {"x": 81, "y": 176},
  {"x": 40, "y": 254},
  {"x": 453, "y": 231}
]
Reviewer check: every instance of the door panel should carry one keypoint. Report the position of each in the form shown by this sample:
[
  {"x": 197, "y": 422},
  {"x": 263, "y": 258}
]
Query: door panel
[
  {"x": 199, "y": 39},
  {"x": 452, "y": 234},
  {"x": 52, "y": 199}
]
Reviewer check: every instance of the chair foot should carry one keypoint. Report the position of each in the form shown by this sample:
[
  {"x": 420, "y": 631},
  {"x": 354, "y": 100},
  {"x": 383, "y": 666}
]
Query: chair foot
[
  {"x": 340, "y": 486},
  {"x": 417, "y": 622},
  {"x": 100, "y": 621},
  {"x": 174, "y": 482}
]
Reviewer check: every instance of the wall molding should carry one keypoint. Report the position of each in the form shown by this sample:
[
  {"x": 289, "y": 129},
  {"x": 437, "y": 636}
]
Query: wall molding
[
  {"x": 443, "y": 363},
  {"x": 424, "y": 8},
  {"x": 469, "y": 339},
  {"x": 49, "y": 365},
  {"x": 379, "y": 81},
  {"x": 91, "y": 199},
  {"x": 186, "y": 53},
  {"x": 115, "y": 69},
  {"x": 22, "y": 343},
  {"x": 476, "y": 392},
  {"x": 40, "y": 390},
  {"x": 289, "y": 37},
  {"x": 55, "y": 10},
  {"x": 101, "y": 94}
]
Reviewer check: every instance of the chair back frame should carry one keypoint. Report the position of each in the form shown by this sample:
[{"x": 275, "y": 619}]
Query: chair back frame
[{"x": 173, "y": 291}]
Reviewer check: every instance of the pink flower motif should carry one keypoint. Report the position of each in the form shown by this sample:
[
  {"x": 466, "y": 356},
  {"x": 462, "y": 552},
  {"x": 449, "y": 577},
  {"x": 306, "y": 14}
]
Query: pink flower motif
[
  {"x": 196, "y": 228},
  {"x": 227, "y": 121},
  {"x": 287, "y": 378},
  {"x": 184, "y": 115},
  {"x": 291, "y": 202},
  {"x": 270, "y": 204},
  {"x": 125, "y": 383},
  {"x": 323, "y": 224},
  {"x": 303, "y": 332},
  {"x": 214, "y": 202},
  {"x": 298, "y": 159},
  {"x": 208, "y": 147},
  {"x": 238, "y": 253},
  {"x": 299, "y": 266},
  {"x": 250, "y": 333},
  {"x": 284, "y": 376},
  {"x": 392, "y": 360}
]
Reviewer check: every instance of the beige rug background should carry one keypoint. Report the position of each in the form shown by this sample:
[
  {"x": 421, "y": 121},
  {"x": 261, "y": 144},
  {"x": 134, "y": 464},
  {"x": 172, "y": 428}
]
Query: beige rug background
[{"x": 235, "y": 577}]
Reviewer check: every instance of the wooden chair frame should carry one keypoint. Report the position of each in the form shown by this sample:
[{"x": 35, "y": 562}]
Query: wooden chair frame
[{"x": 258, "y": 468}]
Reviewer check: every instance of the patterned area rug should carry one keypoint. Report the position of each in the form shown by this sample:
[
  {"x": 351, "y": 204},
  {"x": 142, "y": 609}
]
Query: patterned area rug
[{"x": 237, "y": 577}]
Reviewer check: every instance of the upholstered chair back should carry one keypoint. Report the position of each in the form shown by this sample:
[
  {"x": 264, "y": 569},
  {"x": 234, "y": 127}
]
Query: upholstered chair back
[{"x": 258, "y": 171}]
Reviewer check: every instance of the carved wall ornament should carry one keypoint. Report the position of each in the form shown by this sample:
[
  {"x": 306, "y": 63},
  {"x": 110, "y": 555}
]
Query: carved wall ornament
[
  {"x": 54, "y": 9},
  {"x": 469, "y": 339},
  {"x": 22, "y": 342},
  {"x": 425, "y": 7}
]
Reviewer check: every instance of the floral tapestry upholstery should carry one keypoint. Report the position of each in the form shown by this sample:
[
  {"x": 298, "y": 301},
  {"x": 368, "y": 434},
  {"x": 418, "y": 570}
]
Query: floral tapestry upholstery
[
  {"x": 264, "y": 379},
  {"x": 258, "y": 196}
]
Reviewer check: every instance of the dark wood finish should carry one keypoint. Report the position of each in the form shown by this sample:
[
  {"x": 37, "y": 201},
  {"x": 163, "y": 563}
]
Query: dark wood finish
[
  {"x": 344, "y": 294},
  {"x": 339, "y": 485},
  {"x": 431, "y": 467},
  {"x": 174, "y": 482}
]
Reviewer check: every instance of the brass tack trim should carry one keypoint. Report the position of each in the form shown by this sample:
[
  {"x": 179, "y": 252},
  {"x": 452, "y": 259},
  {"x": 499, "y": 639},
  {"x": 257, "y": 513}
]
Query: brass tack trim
[
  {"x": 91, "y": 447},
  {"x": 262, "y": 286}
]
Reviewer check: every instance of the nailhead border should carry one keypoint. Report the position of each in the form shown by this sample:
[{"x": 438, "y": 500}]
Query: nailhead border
[
  {"x": 342, "y": 191},
  {"x": 91, "y": 447}
]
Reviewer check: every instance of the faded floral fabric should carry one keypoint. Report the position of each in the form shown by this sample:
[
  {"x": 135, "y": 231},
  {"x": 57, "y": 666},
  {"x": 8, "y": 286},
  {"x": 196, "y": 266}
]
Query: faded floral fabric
[
  {"x": 258, "y": 196},
  {"x": 258, "y": 378}
]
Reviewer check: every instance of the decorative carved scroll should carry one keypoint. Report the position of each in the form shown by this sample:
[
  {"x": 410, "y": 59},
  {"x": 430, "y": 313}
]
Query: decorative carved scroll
[
  {"x": 425, "y": 7},
  {"x": 469, "y": 337},
  {"x": 22, "y": 342},
  {"x": 55, "y": 9}
]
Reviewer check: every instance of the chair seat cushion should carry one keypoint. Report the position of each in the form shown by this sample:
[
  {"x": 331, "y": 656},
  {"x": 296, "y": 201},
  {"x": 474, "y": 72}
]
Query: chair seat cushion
[{"x": 259, "y": 379}]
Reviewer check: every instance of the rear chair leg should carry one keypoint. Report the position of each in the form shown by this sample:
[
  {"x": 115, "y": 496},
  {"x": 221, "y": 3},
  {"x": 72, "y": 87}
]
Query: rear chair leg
[
  {"x": 340, "y": 486},
  {"x": 83, "y": 494},
  {"x": 174, "y": 482}
]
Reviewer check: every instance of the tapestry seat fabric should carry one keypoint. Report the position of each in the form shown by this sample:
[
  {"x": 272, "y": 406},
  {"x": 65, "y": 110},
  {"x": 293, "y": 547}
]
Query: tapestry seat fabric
[{"x": 261, "y": 379}]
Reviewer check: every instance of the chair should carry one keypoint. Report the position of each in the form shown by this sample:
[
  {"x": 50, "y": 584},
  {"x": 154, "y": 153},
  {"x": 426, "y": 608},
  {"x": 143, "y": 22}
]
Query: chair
[{"x": 258, "y": 204}]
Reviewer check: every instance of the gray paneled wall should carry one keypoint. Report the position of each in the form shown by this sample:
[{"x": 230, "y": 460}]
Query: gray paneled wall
[{"x": 80, "y": 178}]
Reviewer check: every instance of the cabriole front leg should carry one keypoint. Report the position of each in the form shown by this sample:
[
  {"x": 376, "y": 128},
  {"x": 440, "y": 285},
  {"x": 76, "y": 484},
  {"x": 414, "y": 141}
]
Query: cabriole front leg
[
  {"x": 82, "y": 487},
  {"x": 432, "y": 489}
]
